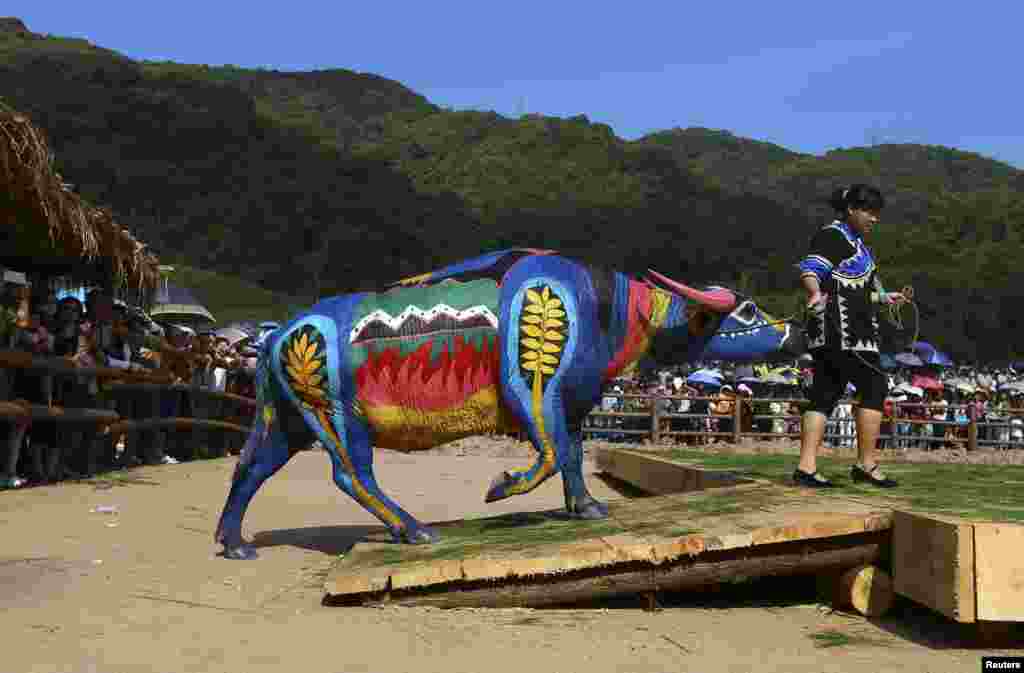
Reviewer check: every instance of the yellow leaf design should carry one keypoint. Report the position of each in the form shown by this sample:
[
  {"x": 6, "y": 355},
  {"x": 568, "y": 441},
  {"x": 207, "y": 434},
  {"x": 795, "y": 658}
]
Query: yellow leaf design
[
  {"x": 532, "y": 330},
  {"x": 542, "y": 327},
  {"x": 299, "y": 346}
]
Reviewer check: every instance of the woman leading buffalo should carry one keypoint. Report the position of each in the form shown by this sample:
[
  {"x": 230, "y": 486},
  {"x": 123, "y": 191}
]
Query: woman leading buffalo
[{"x": 843, "y": 291}]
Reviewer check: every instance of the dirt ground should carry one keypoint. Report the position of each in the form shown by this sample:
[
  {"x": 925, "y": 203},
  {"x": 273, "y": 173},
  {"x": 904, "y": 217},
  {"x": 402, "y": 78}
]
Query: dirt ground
[{"x": 141, "y": 588}]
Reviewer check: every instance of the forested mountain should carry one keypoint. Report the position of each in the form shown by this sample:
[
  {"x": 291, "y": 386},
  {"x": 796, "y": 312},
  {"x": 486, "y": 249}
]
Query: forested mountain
[{"x": 321, "y": 182}]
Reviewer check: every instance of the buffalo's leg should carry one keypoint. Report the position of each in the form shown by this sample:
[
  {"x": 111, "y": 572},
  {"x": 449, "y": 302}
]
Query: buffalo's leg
[
  {"x": 544, "y": 377},
  {"x": 351, "y": 451},
  {"x": 578, "y": 501},
  {"x": 266, "y": 451}
]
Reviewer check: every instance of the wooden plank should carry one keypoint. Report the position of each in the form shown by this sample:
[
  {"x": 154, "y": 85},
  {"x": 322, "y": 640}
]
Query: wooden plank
[
  {"x": 661, "y": 476},
  {"x": 179, "y": 423},
  {"x": 55, "y": 414},
  {"x": 179, "y": 387},
  {"x": 933, "y": 563},
  {"x": 999, "y": 571},
  {"x": 594, "y": 583}
]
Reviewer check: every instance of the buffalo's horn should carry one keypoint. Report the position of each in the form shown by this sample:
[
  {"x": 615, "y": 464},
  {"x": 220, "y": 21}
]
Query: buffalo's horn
[{"x": 718, "y": 299}]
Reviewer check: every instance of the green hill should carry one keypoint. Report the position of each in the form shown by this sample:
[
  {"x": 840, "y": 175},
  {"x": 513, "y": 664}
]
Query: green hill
[{"x": 323, "y": 182}]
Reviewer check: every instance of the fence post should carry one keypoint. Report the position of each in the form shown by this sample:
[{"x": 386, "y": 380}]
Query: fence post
[
  {"x": 972, "y": 427},
  {"x": 655, "y": 420},
  {"x": 737, "y": 414}
]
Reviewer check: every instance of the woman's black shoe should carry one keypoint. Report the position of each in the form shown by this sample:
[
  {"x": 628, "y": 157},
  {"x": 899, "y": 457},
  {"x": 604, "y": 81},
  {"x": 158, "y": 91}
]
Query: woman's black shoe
[
  {"x": 873, "y": 476},
  {"x": 811, "y": 480}
]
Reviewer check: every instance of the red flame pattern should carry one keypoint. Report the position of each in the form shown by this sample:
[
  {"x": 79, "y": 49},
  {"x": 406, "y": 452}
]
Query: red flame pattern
[{"x": 416, "y": 381}]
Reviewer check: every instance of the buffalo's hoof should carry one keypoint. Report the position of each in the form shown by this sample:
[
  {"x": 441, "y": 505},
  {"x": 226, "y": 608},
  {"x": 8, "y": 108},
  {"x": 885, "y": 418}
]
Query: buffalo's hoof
[
  {"x": 498, "y": 490},
  {"x": 242, "y": 552},
  {"x": 418, "y": 535},
  {"x": 591, "y": 509}
]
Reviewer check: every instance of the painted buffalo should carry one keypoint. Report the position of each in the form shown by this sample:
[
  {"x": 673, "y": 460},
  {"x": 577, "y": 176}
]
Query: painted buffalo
[{"x": 512, "y": 340}]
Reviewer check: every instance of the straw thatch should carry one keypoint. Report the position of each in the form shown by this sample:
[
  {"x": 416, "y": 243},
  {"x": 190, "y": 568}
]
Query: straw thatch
[{"x": 46, "y": 225}]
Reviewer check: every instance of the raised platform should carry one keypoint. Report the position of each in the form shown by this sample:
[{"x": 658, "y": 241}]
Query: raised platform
[
  {"x": 715, "y": 518},
  {"x": 956, "y": 535},
  {"x": 743, "y": 530}
]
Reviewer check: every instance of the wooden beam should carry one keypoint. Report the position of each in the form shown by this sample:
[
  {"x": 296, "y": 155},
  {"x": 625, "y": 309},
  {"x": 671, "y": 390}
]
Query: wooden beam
[
  {"x": 661, "y": 476},
  {"x": 26, "y": 361},
  {"x": 178, "y": 423},
  {"x": 41, "y": 412},
  {"x": 933, "y": 563},
  {"x": 999, "y": 571},
  {"x": 181, "y": 387}
]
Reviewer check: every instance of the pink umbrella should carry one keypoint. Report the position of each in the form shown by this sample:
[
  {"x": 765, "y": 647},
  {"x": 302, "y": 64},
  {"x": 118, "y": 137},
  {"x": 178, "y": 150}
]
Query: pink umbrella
[{"x": 926, "y": 382}]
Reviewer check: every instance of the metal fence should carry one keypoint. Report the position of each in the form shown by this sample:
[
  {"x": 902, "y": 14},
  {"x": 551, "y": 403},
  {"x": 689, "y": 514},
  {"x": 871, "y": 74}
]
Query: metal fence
[{"x": 651, "y": 421}]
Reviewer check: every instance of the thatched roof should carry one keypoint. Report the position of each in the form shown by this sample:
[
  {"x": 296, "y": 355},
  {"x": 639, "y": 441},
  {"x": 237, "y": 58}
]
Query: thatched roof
[{"x": 47, "y": 227}]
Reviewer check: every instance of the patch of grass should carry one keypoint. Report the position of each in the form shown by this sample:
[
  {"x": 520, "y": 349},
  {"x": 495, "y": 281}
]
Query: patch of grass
[
  {"x": 983, "y": 492},
  {"x": 386, "y": 557},
  {"x": 516, "y": 532},
  {"x": 719, "y": 504},
  {"x": 119, "y": 478},
  {"x": 507, "y": 533},
  {"x": 836, "y": 638}
]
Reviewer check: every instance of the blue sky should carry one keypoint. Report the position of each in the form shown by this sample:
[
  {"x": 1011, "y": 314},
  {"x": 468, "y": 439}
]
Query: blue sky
[{"x": 810, "y": 76}]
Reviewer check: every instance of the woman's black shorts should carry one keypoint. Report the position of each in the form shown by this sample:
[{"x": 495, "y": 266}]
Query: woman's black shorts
[{"x": 833, "y": 369}]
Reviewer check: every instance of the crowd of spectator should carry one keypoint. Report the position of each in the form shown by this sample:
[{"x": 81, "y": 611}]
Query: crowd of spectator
[
  {"x": 106, "y": 332},
  {"x": 914, "y": 418}
]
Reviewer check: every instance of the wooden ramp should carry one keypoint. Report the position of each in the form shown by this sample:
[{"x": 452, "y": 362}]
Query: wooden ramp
[{"x": 731, "y": 529}]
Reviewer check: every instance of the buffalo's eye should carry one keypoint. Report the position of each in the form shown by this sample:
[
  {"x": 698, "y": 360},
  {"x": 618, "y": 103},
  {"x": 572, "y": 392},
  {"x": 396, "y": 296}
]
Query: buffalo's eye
[{"x": 746, "y": 313}]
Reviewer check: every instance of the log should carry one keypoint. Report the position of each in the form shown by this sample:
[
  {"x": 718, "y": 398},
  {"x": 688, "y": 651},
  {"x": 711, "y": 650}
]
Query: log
[
  {"x": 178, "y": 423},
  {"x": 780, "y": 559},
  {"x": 64, "y": 366},
  {"x": 41, "y": 412},
  {"x": 181, "y": 387},
  {"x": 867, "y": 589}
]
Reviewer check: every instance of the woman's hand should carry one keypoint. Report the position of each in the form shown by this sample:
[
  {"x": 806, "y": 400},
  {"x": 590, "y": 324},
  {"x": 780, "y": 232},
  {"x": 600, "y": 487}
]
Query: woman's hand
[{"x": 815, "y": 299}]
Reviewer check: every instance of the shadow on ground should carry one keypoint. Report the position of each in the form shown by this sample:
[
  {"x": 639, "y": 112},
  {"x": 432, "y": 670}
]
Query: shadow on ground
[{"x": 332, "y": 540}]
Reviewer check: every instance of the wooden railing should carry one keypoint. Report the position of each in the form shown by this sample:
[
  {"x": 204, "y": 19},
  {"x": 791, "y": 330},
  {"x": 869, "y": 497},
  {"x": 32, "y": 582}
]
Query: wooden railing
[
  {"x": 128, "y": 403},
  {"x": 653, "y": 419}
]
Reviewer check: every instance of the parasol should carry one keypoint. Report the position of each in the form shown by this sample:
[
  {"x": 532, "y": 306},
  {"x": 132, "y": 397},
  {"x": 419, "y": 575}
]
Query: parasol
[
  {"x": 908, "y": 360},
  {"x": 176, "y": 304},
  {"x": 705, "y": 378}
]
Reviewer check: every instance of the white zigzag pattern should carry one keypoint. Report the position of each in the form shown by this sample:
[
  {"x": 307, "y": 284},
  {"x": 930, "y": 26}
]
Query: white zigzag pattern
[{"x": 395, "y": 322}]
